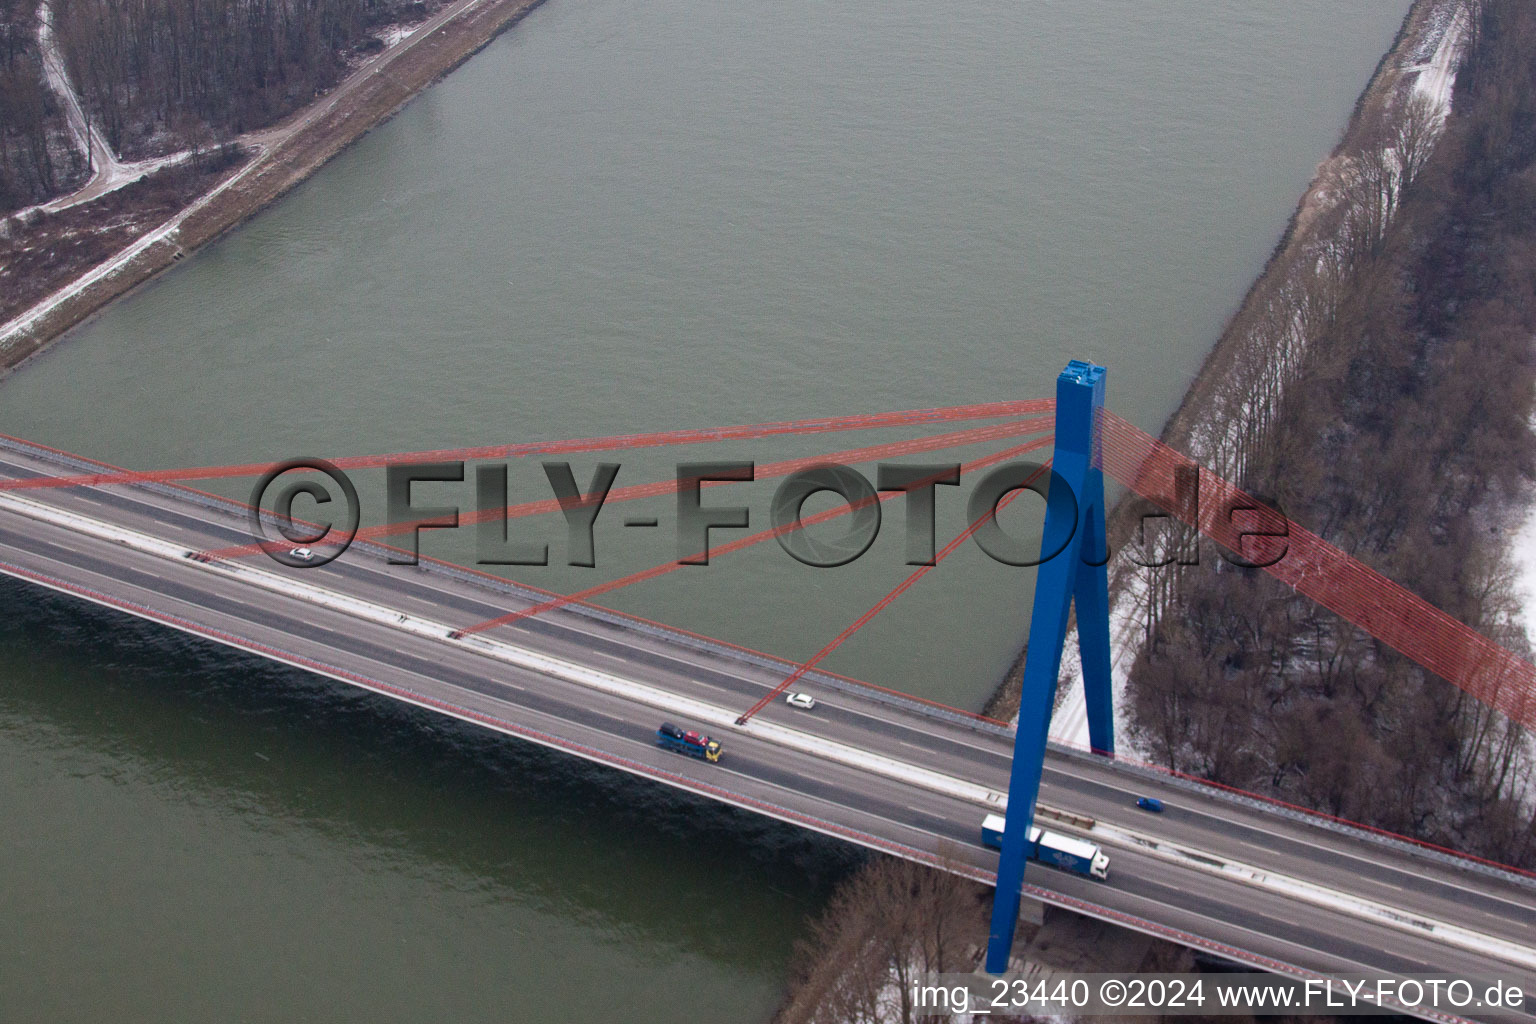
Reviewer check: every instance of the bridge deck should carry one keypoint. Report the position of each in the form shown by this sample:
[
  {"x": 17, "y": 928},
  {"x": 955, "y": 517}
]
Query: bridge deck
[{"x": 894, "y": 799}]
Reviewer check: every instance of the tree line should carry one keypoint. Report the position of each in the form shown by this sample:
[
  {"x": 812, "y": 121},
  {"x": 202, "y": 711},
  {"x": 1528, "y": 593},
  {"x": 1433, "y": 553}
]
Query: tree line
[
  {"x": 158, "y": 76},
  {"x": 189, "y": 71},
  {"x": 37, "y": 157},
  {"x": 1382, "y": 396}
]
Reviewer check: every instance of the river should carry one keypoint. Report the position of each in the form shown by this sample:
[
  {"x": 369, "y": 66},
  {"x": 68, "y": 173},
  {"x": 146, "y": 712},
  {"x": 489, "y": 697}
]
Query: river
[{"x": 618, "y": 217}]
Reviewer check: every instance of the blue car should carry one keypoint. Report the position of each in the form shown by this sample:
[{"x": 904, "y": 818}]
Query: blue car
[{"x": 1150, "y": 803}]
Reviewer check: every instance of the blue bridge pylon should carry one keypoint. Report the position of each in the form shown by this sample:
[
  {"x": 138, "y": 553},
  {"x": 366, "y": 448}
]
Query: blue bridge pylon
[{"x": 1077, "y": 571}]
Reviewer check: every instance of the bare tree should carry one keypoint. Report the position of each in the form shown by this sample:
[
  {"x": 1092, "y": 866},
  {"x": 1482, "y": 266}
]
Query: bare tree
[{"x": 1418, "y": 128}]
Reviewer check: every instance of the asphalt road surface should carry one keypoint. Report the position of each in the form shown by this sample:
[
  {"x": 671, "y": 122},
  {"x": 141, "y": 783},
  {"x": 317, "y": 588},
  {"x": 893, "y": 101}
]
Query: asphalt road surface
[{"x": 1239, "y": 899}]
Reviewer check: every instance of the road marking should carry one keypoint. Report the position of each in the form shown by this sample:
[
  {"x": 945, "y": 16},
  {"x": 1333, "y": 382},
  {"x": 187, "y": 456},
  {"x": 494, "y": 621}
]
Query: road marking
[
  {"x": 712, "y": 686},
  {"x": 1316, "y": 838},
  {"x": 1117, "y": 787},
  {"x": 611, "y": 716}
]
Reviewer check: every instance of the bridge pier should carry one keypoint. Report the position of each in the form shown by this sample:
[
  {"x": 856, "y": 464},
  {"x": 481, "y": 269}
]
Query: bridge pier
[{"x": 1078, "y": 570}]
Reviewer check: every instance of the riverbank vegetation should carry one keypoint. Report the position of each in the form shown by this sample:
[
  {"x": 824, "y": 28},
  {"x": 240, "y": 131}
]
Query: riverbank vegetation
[
  {"x": 288, "y": 154},
  {"x": 157, "y": 77},
  {"x": 1383, "y": 398},
  {"x": 890, "y": 923},
  {"x": 40, "y": 249}
]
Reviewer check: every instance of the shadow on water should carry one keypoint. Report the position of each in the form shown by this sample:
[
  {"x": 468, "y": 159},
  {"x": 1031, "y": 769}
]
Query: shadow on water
[{"x": 473, "y": 810}]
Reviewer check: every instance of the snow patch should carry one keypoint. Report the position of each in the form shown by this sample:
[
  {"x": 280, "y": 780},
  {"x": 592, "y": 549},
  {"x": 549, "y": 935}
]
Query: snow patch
[
  {"x": 394, "y": 34},
  {"x": 1127, "y": 631},
  {"x": 1437, "y": 76},
  {"x": 1522, "y": 554}
]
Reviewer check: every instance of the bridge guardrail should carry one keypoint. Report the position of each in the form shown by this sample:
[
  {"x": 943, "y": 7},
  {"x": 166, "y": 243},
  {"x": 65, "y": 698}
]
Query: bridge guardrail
[
  {"x": 510, "y": 588},
  {"x": 728, "y": 652},
  {"x": 1403, "y": 845}
]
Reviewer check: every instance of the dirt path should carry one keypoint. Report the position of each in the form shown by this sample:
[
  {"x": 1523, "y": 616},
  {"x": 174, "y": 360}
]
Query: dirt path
[
  {"x": 103, "y": 162},
  {"x": 108, "y": 173}
]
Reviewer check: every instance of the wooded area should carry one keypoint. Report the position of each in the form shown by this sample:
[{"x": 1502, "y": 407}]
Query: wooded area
[
  {"x": 1383, "y": 398},
  {"x": 163, "y": 75},
  {"x": 37, "y": 157}
]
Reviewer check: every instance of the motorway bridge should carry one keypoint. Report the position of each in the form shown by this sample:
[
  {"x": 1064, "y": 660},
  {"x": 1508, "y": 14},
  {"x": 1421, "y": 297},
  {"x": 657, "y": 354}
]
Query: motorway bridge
[{"x": 1247, "y": 880}]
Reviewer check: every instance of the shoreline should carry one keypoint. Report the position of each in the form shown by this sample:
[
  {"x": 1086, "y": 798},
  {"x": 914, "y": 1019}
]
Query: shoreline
[
  {"x": 304, "y": 142},
  {"x": 1201, "y": 402},
  {"x": 1299, "y": 231}
]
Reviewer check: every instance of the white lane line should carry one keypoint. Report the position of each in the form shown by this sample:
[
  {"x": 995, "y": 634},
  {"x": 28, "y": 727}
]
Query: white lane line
[
  {"x": 900, "y": 742},
  {"x": 1350, "y": 904},
  {"x": 906, "y": 826},
  {"x": 527, "y": 658},
  {"x": 712, "y": 686},
  {"x": 897, "y": 719},
  {"x": 1340, "y": 846},
  {"x": 202, "y": 515},
  {"x": 609, "y": 634},
  {"x": 610, "y": 716}
]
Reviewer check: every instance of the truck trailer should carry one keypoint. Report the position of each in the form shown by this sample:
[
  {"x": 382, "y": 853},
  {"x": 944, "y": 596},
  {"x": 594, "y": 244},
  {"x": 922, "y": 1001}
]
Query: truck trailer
[
  {"x": 692, "y": 743},
  {"x": 1075, "y": 855}
]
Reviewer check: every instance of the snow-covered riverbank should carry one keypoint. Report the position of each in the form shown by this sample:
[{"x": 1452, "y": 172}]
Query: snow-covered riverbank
[{"x": 1423, "y": 71}]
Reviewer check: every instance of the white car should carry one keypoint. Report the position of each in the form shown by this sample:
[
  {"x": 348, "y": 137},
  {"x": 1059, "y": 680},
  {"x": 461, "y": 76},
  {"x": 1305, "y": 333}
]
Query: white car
[
  {"x": 302, "y": 554},
  {"x": 803, "y": 701}
]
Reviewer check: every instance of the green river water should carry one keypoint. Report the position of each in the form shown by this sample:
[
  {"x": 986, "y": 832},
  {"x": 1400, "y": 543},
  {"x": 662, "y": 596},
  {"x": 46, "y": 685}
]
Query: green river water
[{"x": 618, "y": 217}]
